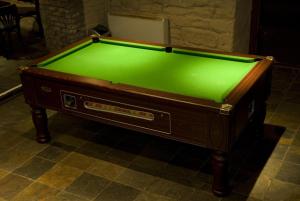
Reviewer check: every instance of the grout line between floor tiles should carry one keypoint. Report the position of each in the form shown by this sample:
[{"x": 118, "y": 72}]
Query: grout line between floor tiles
[
  {"x": 24, "y": 177},
  {"x": 29, "y": 159},
  {"x": 109, "y": 184},
  {"x": 284, "y": 156},
  {"x": 76, "y": 195}
]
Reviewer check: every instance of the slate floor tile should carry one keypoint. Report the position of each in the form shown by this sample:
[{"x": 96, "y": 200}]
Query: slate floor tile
[
  {"x": 161, "y": 149},
  {"x": 289, "y": 172},
  {"x": 65, "y": 196},
  {"x": 260, "y": 187},
  {"x": 118, "y": 192},
  {"x": 296, "y": 141},
  {"x": 280, "y": 190},
  {"x": 30, "y": 146},
  {"x": 272, "y": 167},
  {"x": 78, "y": 160},
  {"x": 293, "y": 96},
  {"x": 70, "y": 140},
  {"x": 258, "y": 154},
  {"x": 36, "y": 191},
  {"x": 120, "y": 157},
  {"x": 3, "y": 173},
  {"x": 238, "y": 197},
  {"x": 200, "y": 180},
  {"x": 11, "y": 185},
  {"x": 199, "y": 196},
  {"x": 105, "y": 169},
  {"x": 24, "y": 125},
  {"x": 244, "y": 181},
  {"x": 34, "y": 168},
  {"x": 136, "y": 179},
  {"x": 53, "y": 153},
  {"x": 195, "y": 160},
  {"x": 11, "y": 118},
  {"x": 293, "y": 155},
  {"x": 295, "y": 87},
  {"x": 94, "y": 150},
  {"x": 59, "y": 122},
  {"x": 9, "y": 139},
  {"x": 287, "y": 115},
  {"x": 148, "y": 165},
  {"x": 178, "y": 174},
  {"x": 19, "y": 101},
  {"x": 284, "y": 120},
  {"x": 133, "y": 142},
  {"x": 88, "y": 186},
  {"x": 287, "y": 137},
  {"x": 11, "y": 160},
  {"x": 144, "y": 196},
  {"x": 63, "y": 146},
  {"x": 75, "y": 135},
  {"x": 60, "y": 176},
  {"x": 109, "y": 137},
  {"x": 205, "y": 187},
  {"x": 169, "y": 189}
]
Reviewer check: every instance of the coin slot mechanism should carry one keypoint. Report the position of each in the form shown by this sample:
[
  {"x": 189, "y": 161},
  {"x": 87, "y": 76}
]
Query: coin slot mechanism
[{"x": 69, "y": 101}]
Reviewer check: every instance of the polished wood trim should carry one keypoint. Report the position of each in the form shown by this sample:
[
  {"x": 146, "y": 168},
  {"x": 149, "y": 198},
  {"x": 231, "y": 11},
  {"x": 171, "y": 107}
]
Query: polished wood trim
[
  {"x": 121, "y": 88},
  {"x": 218, "y": 52},
  {"x": 52, "y": 54},
  {"x": 248, "y": 81},
  {"x": 35, "y": 62}
]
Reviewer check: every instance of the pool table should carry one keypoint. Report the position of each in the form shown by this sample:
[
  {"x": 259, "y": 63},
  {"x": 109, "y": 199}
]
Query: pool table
[{"x": 199, "y": 97}]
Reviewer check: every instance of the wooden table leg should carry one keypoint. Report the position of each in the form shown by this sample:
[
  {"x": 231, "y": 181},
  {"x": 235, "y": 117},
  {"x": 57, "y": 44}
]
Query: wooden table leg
[
  {"x": 40, "y": 121},
  {"x": 220, "y": 173}
]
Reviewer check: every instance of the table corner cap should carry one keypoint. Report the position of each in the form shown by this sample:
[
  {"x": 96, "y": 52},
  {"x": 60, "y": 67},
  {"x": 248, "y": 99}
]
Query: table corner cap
[
  {"x": 23, "y": 68},
  {"x": 226, "y": 108},
  {"x": 271, "y": 58}
]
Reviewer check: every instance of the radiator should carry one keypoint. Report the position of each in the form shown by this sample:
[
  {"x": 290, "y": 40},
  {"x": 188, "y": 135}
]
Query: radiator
[{"x": 154, "y": 30}]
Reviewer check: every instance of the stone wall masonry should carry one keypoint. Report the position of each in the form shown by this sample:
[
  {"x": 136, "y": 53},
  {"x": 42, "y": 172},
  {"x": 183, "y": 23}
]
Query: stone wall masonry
[
  {"x": 208, "y": 24},
  {"x": 95, "y": 13},
  {"x": 242, "y": 26},
  {"x": 63, "y": 22},
  {"x": 196, "y": 23}
]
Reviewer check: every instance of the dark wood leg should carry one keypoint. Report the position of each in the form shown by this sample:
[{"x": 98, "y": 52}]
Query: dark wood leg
[
  {"x": 220, "y": 173},
  {"x": 40, "y": 121}
]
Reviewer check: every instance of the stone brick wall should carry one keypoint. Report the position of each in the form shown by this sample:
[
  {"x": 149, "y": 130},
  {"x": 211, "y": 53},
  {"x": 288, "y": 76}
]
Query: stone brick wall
[
  {"x": 209, "y": 24},
  {"x": 242, "y": 26},
  {"x": 94, "y": 13},
  {"x": 63, "y": 22}
]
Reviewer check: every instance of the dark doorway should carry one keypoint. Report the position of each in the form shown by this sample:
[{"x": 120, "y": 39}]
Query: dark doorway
[{"x": 275, "y": 30}]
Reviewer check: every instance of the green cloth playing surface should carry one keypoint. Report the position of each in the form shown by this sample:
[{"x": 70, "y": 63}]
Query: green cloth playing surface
[{"x": 191, "y": 73}]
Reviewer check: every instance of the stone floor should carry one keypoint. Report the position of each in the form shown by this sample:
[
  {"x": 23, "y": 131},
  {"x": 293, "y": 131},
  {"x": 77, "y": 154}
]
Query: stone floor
[{"x": 90, "y": 161}]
